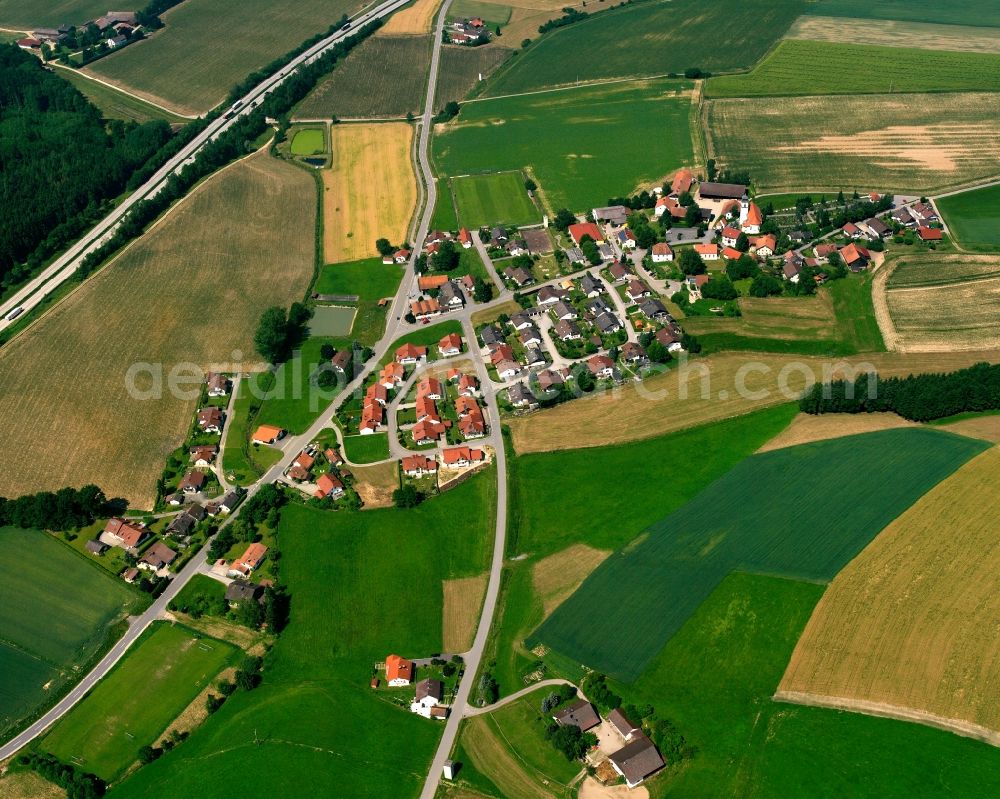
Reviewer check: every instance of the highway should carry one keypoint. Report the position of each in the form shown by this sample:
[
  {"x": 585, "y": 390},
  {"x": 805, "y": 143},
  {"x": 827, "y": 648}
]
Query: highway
[{"x": 63, "y": 268}]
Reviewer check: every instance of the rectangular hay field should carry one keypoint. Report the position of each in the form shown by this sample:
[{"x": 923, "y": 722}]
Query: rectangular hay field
[
  {"x": 492, "y": 199},
  {"x": 907, "y": 143}
]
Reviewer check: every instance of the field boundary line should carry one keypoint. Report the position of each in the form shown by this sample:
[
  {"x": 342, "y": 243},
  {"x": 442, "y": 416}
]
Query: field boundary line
[
  {"x": 582, "y": 85},
  {"x": 103, "y": 269},
  {"x": 127, "y": 93},
  {"x": 966, "y": 729}
]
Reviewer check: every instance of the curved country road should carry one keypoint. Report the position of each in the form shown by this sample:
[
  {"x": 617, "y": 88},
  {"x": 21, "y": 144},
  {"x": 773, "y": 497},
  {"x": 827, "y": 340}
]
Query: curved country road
[{"x": 479, "y": 711}]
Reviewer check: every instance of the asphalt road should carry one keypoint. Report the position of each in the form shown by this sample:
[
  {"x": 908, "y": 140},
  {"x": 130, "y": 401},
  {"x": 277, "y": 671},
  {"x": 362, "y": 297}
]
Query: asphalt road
[{"x": 63, "y": 268}]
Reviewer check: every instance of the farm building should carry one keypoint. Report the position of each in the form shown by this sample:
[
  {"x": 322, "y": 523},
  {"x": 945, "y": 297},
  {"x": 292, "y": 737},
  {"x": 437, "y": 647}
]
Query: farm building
[{"x": 580, "y": 714}]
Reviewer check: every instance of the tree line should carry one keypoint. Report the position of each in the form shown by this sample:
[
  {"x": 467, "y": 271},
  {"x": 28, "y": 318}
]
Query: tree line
[
  {"x": 60, "y": 163},
  {"x": 77, "y": 784},
  {"x": 65, "y": 509},
  {"x": 919, "y": 398}
]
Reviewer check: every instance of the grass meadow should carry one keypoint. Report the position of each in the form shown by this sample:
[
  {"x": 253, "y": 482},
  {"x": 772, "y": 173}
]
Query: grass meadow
[
  {"x": 581, "y": 146},
  {"x": 382, "y": 593},
  {"x": 650, "y": 39},
  {"x": 428, "y": 336},
  {"x": 64, "y": 396},
  {"x": 758, "y": 518},
  {"x": 385, "y": 76},
  {"x": 983, "y": 13},
  {"x": 908, "y": 622},
  {"x": 308, "y": 141},
  {"x": 56, "y": 611},
  {"x": 663, "y": 474},
  {"x": 839, "y": 320},
  {"x": 491, "y": 199},
  {"x": 207, "y": 47},
  {"x": 368, "y": 279},
  {"x": 940, "y": 301},
  {"x": 131, "y": 707},
  {"x": 973, "y": 217},
  {"x": 366, "y": 449},
  {"x": 797, "y": 67},
  {"x": 901, "y": 142},
  {"x": 460, "y": 68},
  {"x": 445, "y": 216},
  {"x": 714, "y": 680}
]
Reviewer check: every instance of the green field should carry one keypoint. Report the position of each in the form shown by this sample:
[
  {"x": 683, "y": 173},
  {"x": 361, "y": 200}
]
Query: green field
[
  {"x": 460, "y": 68},
  {"x": 905, "y": 143},
  {"x": 386, "y": 76},
  {"x": 809, "y": 67},
  {"x": 444, "y": 217},
  {"x": 650, "y": 39},
  {"x": 207, "y": 46},
  {"x": 973, "y": 217},
  {"x": 296, "y": 398},
  {"x": 131, "y": 707},
  {"x": 115, "y": 104},
  {"x": 30, "y": 14},
  {"x": 773, "y": 513},
  {"x": 370, "y": 280},
  {"x": 492, "y": 199},
  {"x": 956, "y": 12},
  {"x": 582, "y": 146},
  {"x": 309, "y": 141},
  {"x": 663, "y": 473},
  {"x": 366, "y": 449},
  {"x": 715, "y": 680},
  {"x": 240, "y": 468},
  {"x": 56, "y": 612},
  {"x": 314, "y": 717},
  {"x": 491, "y": 13}
]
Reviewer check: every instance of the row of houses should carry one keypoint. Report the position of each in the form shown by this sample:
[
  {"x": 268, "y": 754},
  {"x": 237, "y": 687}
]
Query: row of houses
[{"x": 417, "y": 466}]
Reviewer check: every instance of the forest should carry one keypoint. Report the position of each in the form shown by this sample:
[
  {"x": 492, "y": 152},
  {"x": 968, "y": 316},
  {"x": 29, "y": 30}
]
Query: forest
[{"x": 60, "y": 162}]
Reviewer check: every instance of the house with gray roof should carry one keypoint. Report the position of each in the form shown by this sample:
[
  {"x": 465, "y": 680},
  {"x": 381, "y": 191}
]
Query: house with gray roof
[{"x": 637, "y": 760}]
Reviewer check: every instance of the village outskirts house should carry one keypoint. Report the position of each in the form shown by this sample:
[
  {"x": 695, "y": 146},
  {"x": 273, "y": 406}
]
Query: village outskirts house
[{"x": 399, "y": 671}]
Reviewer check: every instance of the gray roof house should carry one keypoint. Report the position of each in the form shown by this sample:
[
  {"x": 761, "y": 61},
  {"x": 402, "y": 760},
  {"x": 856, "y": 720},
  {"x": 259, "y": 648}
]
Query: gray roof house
[
  {"x": 451, "y": 295},
  {"x": 563, "y": 310},
  {"x": 521, "y": 397},
  {"x": 637, "y": 760},
  {"x": 607, "y": 323},
  {"x": 580, "y": 714},
  {"x": 241, "y": 590},
  {"x": 591, "y": 286}
]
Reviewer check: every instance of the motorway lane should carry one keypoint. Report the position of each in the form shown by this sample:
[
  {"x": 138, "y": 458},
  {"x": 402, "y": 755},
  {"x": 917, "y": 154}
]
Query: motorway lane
[{"x": 63, "y": 268}]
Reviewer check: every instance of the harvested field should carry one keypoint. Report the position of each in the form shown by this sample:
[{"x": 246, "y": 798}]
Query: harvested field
[
  {"x": 657, "y": 405},
  {"x": 755, "y": 519},
  {"x": 28, "y": 785},
  {"x": 376, "y": 483},
  {"x": 385, "y": 77},
  {"x": 798, "y": 67},
  {"x": 985, "y": 427},
  {"x": 904, "y": 143},
  {"x": 944, "y": 302},
  {"x": 807, "y": 427},
  {"x": 370, "y": 190},
  {"x": 557, "y": 576},
  {"x": 463, "y": 599},
  {"x": 207, "y": 46},
  {"x": 492, "y": 755},
  {"x": 775, "y": 317},
  {"x": 63, "y": 393},
  {"x": 417, "y": 18},
  {"x": 461, "y": 67},
  {"x": 897, "y": 33},
  {"x": 911, "y": 621}
]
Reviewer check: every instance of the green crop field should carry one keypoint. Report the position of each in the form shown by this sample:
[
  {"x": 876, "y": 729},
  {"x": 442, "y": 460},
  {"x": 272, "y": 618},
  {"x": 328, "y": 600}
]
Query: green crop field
[
  {"x": 809, "y": 67},
  {"x": 370, "y": 280},
  {"x": 662, "y": 474},
  {"x": 460, "y": 68},
  {"x": 491, "y": 199},
  {"x": 582, "y": 146},
  {"x": 773, "y": 513},
  {"x": 492, "y": 14},
  {"x": 386, "y": 76},
  {"x": 381, "y": 593},
  {"x": 903, "y": 143},
  {"x": 56, "y": 612},
  {"x": 973, "y": 217},
  {"x": 30, "y": 14},
  {"x": 207, "y": 46},
  {"x": 650, "y": 39},
  {"x": 366, "y": 449},
  {"x": 715, "y": 679},
  {"x": 131, "y": 707},
  {"x": 445, "y": 216},
  {"x": 956, "y": 12},
  {"x": 309, "y": 141},
  {"x": 115, "y": 104}
]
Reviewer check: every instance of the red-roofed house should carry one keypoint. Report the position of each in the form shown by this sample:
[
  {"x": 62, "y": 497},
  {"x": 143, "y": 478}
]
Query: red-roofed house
[
  {"x": 729, "y": 236},
  {"x": 581, "y": 229},
  {"x": 661, "y": 253},
  {"x": 930, "y": 233},
  {"x": 429, "y": 431},
  {"x": 460, "y": 457},
  {"x": 764, "y": 246},
  {"x": 450, "y": 345},
  {"x": 250, "y": 560},
  {"x": 122, "y": 534},
  {"x": 328, "y": 486},
  {"x": 399, "y": 671},
  {"x": 601, "y": 366},
  {"x": 465, "y": 238},
  {"x": 683, "y": 178},
  {"x": 731, "y": 253},
  {"x": 411, "y": 353},
  {"x": 419, "y": 465},
  {"x": 854, "y": 257},
  {"x": 430, "y": 388},
  {"x": 754, "y": 219},
  {"x": 708, "y": 252},
  {"x": 392, "y": 375}
]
